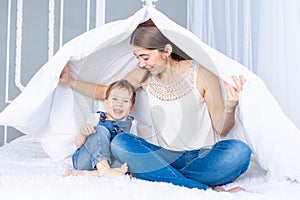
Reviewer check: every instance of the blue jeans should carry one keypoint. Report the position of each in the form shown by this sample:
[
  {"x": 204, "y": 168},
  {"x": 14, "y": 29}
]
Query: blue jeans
[
  {"x": 95, "y": 149},
  {"x": 202, "y": 169}
]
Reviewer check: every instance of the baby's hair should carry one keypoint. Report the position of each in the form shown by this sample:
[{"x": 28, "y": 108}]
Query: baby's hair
[{"x": 121, "y": 84}]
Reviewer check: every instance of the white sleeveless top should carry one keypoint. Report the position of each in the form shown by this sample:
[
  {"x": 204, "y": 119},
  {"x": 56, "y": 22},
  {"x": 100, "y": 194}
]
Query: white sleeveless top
[{"x": 179, "y": 113}]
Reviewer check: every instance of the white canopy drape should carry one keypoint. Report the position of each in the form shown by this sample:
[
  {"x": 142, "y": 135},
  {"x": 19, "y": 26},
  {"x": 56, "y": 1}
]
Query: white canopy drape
[
  {"x": 52, "y": 112},
  {"x": 262, "y": 35}
]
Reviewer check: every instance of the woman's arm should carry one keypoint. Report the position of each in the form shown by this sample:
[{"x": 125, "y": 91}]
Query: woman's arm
[
  {"x": 96, "y": 91},
  {"x": 91, "y": 90},
  {"x": 222, "y": 113},
  {"x": 137, "y": 77}
]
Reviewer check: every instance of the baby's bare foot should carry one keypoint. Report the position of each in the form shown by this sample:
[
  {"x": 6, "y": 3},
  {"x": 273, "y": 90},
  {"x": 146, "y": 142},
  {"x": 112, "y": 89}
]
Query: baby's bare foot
[
  {"x": 81, "y": 172},
  {"x": 124, "y": 168},
  {"x": 108, "y": 172},
  {"x": 102, "y": 171}
]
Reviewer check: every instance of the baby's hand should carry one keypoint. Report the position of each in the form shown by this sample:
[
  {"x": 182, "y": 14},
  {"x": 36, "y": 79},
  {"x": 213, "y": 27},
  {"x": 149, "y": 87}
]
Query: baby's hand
[{"x": 87, "y": 129}]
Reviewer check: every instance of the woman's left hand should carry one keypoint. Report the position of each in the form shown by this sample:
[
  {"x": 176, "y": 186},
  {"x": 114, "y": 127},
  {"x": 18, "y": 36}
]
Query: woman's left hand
[{"x": 232, "y": 93}]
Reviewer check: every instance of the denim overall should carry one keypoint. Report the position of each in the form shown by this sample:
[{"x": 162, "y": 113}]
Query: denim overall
[
  {"x": 97, "y": 145},
  {"x": 115, "y": 127}
]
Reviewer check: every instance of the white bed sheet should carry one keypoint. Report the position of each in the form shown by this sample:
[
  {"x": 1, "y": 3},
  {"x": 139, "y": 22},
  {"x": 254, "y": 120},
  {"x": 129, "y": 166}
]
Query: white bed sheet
[{"x": 27, "y": 172}]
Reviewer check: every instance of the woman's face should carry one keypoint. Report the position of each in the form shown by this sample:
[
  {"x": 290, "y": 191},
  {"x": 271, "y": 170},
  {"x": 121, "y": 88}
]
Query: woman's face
[{"x": 153, "y": 60}]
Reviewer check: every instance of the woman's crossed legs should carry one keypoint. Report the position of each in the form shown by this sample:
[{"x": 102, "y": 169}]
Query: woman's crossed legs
[{"x": 203, "y": 169}]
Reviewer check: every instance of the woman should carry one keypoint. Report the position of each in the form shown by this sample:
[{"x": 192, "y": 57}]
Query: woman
[{"x": 188, "y": 115}]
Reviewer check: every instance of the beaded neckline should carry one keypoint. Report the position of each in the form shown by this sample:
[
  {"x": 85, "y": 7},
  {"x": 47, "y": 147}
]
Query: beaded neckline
[{"x": 174, "y": 91}]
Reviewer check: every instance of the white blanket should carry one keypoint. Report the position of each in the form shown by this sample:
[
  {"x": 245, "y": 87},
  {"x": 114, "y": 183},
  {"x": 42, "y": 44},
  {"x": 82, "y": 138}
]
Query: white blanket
[
  {"x": 27, "y": 173},
  {"x": 52, "y": 113}
]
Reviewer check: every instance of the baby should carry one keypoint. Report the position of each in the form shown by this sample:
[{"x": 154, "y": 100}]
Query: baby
[{"x": 93, "y": 156}]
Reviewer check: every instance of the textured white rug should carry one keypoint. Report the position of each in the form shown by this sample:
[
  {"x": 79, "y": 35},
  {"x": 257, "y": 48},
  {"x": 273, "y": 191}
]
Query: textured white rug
[{"x": 26, "y": 172}]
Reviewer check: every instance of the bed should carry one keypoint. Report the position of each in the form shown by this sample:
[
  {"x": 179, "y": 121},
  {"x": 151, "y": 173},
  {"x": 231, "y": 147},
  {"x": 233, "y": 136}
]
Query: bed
[
  {"x": 27, "y": 172},
  {"x": 52, "y": 112}
]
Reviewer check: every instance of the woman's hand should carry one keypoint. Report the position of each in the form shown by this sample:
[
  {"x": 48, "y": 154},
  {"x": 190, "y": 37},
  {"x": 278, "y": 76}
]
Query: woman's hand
[
  {"x": 65, "y": 77},
  {"x": 232, "y": 93}
]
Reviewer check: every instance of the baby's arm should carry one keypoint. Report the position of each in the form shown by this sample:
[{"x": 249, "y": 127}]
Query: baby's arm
[{"x": 84, "y": 132}]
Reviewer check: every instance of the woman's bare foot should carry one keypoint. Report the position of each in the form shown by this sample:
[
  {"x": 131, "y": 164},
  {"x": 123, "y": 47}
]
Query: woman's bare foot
[
  {"x": 68, "y": 172},
  {"x": 221, "y": 189}
]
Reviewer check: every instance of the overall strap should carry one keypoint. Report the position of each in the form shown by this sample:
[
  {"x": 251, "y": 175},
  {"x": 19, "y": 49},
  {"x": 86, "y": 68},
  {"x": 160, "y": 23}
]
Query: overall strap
[{"x": 102, "y": 116}]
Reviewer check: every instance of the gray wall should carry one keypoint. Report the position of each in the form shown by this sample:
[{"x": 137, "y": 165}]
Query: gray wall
[
  {"x": 174, "y": 9},
  {"x": 35, "y": 35}
]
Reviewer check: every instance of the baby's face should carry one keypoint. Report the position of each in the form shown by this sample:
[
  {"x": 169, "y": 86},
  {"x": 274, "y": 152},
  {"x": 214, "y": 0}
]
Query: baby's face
[{"x": 118, "y": 104}]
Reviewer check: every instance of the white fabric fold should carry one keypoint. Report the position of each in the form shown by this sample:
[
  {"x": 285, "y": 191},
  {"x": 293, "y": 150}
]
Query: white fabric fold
[{"x": 52, "y": 113}]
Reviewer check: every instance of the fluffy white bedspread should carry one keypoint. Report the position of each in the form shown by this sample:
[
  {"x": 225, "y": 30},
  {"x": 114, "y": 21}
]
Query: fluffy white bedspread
[{"x": 27, "y": 172}]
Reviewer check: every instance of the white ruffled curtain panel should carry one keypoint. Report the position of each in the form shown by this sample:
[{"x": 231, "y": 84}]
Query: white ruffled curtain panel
[{"x": 263, "y": 35}]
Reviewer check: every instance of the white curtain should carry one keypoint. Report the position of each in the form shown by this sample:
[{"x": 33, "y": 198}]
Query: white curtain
[
  {"x": 278, "y": 61},
  {"x": 263, "y": 35}
]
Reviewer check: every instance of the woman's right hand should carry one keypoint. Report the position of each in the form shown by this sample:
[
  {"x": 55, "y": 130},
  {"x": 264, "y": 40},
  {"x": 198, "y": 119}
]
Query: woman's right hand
[{"x": 65, "y": 77}]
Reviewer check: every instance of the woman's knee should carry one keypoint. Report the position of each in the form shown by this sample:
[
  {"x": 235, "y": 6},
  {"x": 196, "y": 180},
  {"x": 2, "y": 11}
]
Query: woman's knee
[
  {"x": 241, "y": 152},
  {"x": 235, "y": 145},
  {"x": 242, "y": 147},
  {"x": 121, "y": 144},
  {"x": 236, "y": 149},
  {"x": 122, "y": 140}
]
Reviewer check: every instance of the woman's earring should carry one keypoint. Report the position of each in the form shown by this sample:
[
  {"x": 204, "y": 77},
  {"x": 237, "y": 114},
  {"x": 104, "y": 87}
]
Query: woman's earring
[
  {"x": 168, "y": 59},
  {"x": 168, "y": 48}
]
